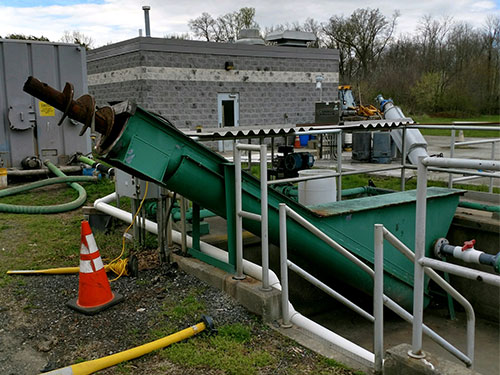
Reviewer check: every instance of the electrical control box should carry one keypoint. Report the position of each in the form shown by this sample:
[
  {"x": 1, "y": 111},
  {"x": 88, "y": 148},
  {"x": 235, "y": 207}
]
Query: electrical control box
[
  {"x": 327, "y": 113},
  {"x": 129, "y": 186}
]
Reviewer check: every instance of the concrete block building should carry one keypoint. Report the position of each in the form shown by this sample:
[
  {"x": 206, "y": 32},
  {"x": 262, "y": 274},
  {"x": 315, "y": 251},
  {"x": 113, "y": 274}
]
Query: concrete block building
[{"x": 194, "y": 83}]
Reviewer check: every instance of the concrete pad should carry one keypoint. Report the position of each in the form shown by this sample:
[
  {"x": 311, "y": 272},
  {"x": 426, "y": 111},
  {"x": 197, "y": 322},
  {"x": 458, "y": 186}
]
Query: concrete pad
[
  {"x": 323, "y": 347},
  {"x": 398, "y": 362}
]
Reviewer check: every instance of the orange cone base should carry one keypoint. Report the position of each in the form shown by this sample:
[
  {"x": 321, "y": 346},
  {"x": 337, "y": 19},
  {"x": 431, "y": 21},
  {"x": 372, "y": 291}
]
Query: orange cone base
[{"x": 117, "y": 298}]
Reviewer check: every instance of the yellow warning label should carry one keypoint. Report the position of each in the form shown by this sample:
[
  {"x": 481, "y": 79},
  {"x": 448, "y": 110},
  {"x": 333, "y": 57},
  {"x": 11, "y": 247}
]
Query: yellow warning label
[{"x": 45, "y": 109}]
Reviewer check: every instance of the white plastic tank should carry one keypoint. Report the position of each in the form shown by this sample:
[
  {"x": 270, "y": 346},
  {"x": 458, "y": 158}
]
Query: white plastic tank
[{"x": 313, "y": 192}]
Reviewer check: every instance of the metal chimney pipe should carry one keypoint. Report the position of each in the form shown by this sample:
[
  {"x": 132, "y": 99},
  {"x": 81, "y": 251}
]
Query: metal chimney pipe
[{"x": 146, "y": 9}]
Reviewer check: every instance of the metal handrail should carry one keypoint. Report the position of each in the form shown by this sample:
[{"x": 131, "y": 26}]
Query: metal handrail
[
  {"x": 453, "y": 144},
  {"x": 240, "y": 214},
  {"x": 455, "y": 126},
  {"x": 403, "y": 249},
  {"x": 421, "y": 261},
  {"x": 285, "y": 211}
]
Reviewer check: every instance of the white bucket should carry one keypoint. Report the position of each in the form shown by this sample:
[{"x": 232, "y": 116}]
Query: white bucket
[
  {"x": 319, "y": 191},
  {"x": 348, "y": 139}
]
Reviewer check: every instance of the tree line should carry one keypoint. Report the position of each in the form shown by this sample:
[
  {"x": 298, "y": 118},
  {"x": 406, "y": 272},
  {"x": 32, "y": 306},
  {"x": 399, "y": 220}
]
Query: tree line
[{"x": 445, "y": 67}]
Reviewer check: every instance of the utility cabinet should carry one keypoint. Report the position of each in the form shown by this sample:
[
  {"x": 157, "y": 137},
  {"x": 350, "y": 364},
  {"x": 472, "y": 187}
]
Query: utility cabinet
[{"x": 28, "y": 126}]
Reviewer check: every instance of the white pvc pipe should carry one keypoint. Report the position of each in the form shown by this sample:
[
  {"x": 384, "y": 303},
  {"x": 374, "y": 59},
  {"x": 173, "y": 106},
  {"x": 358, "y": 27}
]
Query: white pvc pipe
[
  {"x": 462, "y": 163},
  {"x": 250, "y": 269},
  {"x": 378, "y": 298}
]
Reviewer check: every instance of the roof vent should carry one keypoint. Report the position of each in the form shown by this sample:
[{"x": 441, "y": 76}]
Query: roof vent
[
  {"x": 291, "y": 38},
  {"x": 250, "y": 36}
]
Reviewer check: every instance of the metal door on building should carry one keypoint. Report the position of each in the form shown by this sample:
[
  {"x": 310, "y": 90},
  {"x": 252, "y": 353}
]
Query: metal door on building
[{"x": 228, "y": 107}]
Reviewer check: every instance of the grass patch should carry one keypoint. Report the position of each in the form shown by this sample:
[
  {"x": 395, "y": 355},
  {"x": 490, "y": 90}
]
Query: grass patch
[
  {"x": 227, "y": 352},
  {"x": 393, "y": 183},
  {"x": 237, "y": 350},
  {"x": 188, "y": 309},
  {"x": 448, "y": 120},
  {"x": 53, "y": 240}
]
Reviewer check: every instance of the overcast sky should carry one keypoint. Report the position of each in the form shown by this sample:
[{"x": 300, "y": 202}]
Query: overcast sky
[{"x": 109, "y": 21}]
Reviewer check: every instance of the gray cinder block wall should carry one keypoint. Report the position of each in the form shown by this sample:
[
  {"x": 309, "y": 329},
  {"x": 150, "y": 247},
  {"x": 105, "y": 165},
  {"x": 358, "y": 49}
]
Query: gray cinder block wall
[{"x": 180, "y": 79}]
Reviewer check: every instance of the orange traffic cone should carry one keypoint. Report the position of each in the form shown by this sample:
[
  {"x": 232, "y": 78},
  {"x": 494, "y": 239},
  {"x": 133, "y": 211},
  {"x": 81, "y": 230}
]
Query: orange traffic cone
[
  {"x": 297, "y": 142},
  {"x": 94, "y": 292}
]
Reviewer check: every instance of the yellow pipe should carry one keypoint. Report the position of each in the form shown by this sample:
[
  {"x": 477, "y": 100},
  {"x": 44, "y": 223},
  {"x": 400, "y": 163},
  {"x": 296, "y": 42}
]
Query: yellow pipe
[
  {"x": 56, "y": 271},
  {"x": 51, "y": 271},
  {"x": 90, "y": 367}
]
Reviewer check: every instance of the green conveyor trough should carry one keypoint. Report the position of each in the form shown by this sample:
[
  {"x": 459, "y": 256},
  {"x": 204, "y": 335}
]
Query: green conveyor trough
[
  {"x": 146, "y": 146},
  {"x": 149, "y": 147}
]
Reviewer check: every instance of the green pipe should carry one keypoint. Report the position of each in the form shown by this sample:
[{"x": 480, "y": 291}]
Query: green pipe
[
  {"x": 176, "y": 214},
  {"x": 22, "y": 209},
  {"x": 479, "y": 206},
  {"x": 95, "y": 164},
  {"x": 86, "y": 160},
  {"x": 354, "y": 191}
]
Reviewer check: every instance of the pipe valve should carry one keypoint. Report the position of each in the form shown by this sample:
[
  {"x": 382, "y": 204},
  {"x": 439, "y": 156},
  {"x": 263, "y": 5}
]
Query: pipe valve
[{"x": 467, "y": 253}]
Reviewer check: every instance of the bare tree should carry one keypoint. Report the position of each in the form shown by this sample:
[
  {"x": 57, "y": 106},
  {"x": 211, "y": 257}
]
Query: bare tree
[
  {"x": 203, "y": 27},
  {"x": 78, "y": 37},
  {"x": 363, "y": 37},
  {"x": 224, "y": 28},
  {"x": 491, "y": 42}
]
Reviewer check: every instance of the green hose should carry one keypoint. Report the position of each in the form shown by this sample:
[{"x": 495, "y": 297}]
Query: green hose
[
  {"x": 21, "y": 209},
  {"x": 479, "y": 206},
  {"x": 86, "y": 160}
]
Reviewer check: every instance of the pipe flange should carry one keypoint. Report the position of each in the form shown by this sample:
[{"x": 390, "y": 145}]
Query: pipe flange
[
  {"x": 419, "y": 355},
  {"x": 439, "y": 245},
  {"x": 209, "y": 324}
]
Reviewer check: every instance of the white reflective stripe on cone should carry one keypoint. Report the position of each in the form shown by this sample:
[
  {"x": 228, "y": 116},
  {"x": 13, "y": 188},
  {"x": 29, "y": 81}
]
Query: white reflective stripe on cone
[
  {"x": 84, "y": 249},
  {"x": 86, "y": 266},
  {"x": 98, "y": 263},
  {"x": 91, "y": 242}
]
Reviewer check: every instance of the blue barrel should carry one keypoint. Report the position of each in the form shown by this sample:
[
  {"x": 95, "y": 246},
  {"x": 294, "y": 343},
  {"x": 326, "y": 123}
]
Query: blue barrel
[{"x": 304, "y": 139}]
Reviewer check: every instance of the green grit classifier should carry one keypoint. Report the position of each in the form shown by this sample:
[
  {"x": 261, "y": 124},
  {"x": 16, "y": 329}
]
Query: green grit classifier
[{"x": 149, "y": 147}]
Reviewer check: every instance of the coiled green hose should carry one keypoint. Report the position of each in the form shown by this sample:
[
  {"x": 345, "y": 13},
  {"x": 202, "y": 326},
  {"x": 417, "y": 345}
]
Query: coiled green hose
[{"x": 52, "y": 209}]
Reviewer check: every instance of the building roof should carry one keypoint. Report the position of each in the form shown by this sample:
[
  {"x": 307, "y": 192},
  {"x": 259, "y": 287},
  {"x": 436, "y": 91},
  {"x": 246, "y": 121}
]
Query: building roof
[{"x": 195, "y": 46}]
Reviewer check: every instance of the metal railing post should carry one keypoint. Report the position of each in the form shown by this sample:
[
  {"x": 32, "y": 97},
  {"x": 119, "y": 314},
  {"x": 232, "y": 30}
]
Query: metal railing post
[
  {"x": 452, "y": 152},
  {"x": 239, "y": 220},
  {"x": 264, "y": 225},
  {"x": 285, "y": 311},
  {"x": 403, "y": 159},
  {"x": 490, "y": 189},
  {"x": 339, "y": 165},
  {"x": 418, "y": 283},
  {"x": 378, "y": 298}
]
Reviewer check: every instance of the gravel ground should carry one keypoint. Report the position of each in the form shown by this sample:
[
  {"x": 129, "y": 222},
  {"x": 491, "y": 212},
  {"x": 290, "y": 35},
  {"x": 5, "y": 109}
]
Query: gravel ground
[{"x": 39, "y": 333}]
